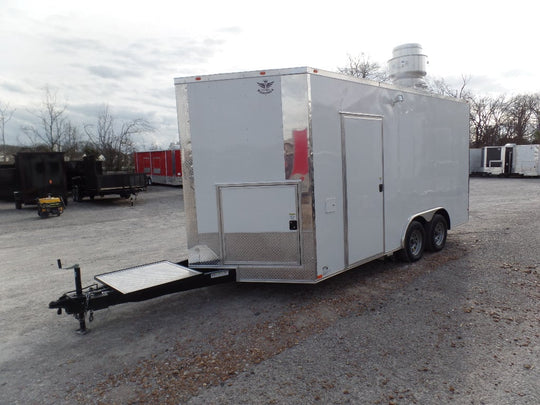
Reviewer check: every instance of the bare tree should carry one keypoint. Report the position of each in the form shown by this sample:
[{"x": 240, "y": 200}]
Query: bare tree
[
  {"x": 362, "y": 67},
  {"x": 519, "y": 119},
  {"x": 72, "y": 144},
  {"x": 439, "y": 86},
  {"x": 115, "y": 142},
  {"x": 53, "y": 124},
  {"x": 486, "y": 120},
  {"x": 535, "y": 136},
  {"x": 5, "y": 115}
]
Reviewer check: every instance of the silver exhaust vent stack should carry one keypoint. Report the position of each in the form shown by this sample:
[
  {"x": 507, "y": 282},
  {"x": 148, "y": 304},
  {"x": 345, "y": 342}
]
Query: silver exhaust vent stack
[{"x": 408, "y": 66}]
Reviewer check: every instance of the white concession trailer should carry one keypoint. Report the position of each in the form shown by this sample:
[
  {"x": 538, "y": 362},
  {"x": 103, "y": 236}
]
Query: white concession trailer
[{"x": 296, "y": 175}]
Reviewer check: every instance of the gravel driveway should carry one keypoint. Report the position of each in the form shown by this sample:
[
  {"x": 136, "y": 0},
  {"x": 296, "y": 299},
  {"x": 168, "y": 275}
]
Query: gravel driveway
[{"x": 459, "y": 326}]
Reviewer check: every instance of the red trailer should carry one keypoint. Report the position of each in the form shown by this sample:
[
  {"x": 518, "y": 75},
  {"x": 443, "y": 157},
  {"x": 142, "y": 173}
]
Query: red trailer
[{"x": 160, "y": 166}]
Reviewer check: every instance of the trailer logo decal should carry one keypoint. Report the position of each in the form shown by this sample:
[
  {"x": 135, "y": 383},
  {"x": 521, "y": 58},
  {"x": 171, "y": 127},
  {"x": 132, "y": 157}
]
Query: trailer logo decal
[{"x": 265, "y": 87}]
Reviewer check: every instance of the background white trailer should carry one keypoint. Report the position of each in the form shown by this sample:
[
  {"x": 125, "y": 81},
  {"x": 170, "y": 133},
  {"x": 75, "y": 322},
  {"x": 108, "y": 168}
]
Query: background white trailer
[
  {"x": 296, "y": 175},
  {"x": 511, "y": 159},
  {"x": 475, "y": 160},
  {"x": 526, "y": 160}
]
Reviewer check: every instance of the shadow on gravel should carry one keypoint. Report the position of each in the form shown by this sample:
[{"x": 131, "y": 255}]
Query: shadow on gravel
[{"x": 228, "y": 328}]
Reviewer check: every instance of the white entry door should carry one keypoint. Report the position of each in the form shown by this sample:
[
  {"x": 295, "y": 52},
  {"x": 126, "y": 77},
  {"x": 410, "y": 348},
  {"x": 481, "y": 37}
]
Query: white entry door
[{"x": 363, "y": 186}]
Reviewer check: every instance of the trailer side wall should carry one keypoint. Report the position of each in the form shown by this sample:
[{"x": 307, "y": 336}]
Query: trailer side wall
[{"x": 424, "y": 162}]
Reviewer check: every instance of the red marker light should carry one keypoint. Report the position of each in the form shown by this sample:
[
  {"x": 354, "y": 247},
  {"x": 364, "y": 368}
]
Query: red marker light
[{"x": 262, "y": 73}]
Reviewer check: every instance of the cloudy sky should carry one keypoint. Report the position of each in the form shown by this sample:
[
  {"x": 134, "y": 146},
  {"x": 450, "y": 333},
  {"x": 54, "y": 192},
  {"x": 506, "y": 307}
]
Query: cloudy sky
[{"x": 127, "y": 53}]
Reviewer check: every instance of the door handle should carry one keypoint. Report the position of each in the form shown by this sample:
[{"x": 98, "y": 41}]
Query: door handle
[{"x": 381, "y": 188}]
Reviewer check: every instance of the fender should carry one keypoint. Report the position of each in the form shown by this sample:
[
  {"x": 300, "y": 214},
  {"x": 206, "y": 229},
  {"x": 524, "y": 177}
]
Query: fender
[{"x": 424, "y": 217}]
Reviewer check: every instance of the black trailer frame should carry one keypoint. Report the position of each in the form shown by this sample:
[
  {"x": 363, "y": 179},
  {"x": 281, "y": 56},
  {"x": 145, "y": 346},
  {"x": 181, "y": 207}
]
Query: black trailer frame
[{"x": 86, "y": 300}]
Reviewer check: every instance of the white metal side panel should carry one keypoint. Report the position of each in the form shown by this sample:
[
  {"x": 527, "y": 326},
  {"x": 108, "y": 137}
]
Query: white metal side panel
[
  {"x": 237, "y": 137},
  {"x": 364, "y": 221},
  {"x": 527, "y": 160},
  {"x": 328, "y": 178},
  {"x": 426, "y": 157}
]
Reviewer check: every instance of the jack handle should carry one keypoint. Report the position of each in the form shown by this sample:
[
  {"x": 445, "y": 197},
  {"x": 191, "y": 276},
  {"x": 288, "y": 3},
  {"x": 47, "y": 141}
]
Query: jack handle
[{"x": 78, "y": 290}]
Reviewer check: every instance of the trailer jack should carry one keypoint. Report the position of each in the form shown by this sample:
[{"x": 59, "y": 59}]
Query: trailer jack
[{"x": 132, "y": 285}]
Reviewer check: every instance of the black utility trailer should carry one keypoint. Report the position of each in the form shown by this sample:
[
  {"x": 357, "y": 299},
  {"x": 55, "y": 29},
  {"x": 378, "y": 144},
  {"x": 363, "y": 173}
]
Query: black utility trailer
[
  {"x": 8, "y": 176},
  {"x": 87, "y": 179},
  {"x": 38, "y": 174}
]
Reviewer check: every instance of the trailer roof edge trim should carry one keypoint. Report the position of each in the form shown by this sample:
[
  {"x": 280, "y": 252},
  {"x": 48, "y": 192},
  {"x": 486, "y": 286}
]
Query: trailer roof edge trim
[
  {"x": 304, "y": 70},
  {"x": 246, "y": 74}
]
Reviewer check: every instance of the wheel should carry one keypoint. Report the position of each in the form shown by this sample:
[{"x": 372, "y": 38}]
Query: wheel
[
  {"x": 414, "y": 242},
  {"x": 436, "y": 232},
  {"x": 18, "y": 205}
]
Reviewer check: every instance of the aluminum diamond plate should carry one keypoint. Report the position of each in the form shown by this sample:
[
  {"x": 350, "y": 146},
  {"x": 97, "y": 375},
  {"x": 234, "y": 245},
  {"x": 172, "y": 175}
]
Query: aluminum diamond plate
[{"x": 141, "y": 277}]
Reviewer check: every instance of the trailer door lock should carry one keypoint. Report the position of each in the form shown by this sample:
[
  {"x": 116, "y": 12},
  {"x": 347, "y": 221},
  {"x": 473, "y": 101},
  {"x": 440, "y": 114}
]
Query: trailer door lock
[{"x": 293, "y": 225}]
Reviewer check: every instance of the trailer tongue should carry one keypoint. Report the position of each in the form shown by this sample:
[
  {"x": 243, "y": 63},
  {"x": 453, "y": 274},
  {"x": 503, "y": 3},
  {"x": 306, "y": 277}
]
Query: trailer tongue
[{"x": 133, "y": 284}]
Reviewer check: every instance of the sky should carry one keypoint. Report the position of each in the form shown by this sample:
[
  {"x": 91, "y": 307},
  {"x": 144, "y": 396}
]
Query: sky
[{"x": 126, "y": 54}]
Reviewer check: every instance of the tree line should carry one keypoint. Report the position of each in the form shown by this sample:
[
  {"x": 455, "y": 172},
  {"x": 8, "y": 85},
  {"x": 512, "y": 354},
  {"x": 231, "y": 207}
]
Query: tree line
[
  {"x": 108, "y": 137},
  {"x": 494, "y": 120}
]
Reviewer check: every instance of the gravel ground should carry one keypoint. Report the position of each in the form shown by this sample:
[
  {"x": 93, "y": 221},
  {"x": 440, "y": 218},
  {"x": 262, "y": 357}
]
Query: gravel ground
[{"x": 459, "y": 326}]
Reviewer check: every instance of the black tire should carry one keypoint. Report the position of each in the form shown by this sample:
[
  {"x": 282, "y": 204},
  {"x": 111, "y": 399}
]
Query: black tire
[
  {"x": 436, "y": 232},
  {"x": 414, "y": 244},
  {"x": 18, "y": 205}
]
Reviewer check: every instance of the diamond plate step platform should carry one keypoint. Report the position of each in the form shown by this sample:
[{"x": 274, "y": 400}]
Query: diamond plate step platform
[{"x": 146, "y": 276}]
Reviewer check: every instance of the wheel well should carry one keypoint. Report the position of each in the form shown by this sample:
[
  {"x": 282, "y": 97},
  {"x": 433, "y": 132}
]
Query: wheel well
[
  {"x": 444, "y": 213},
  {"x": 422, "y": 219}
]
